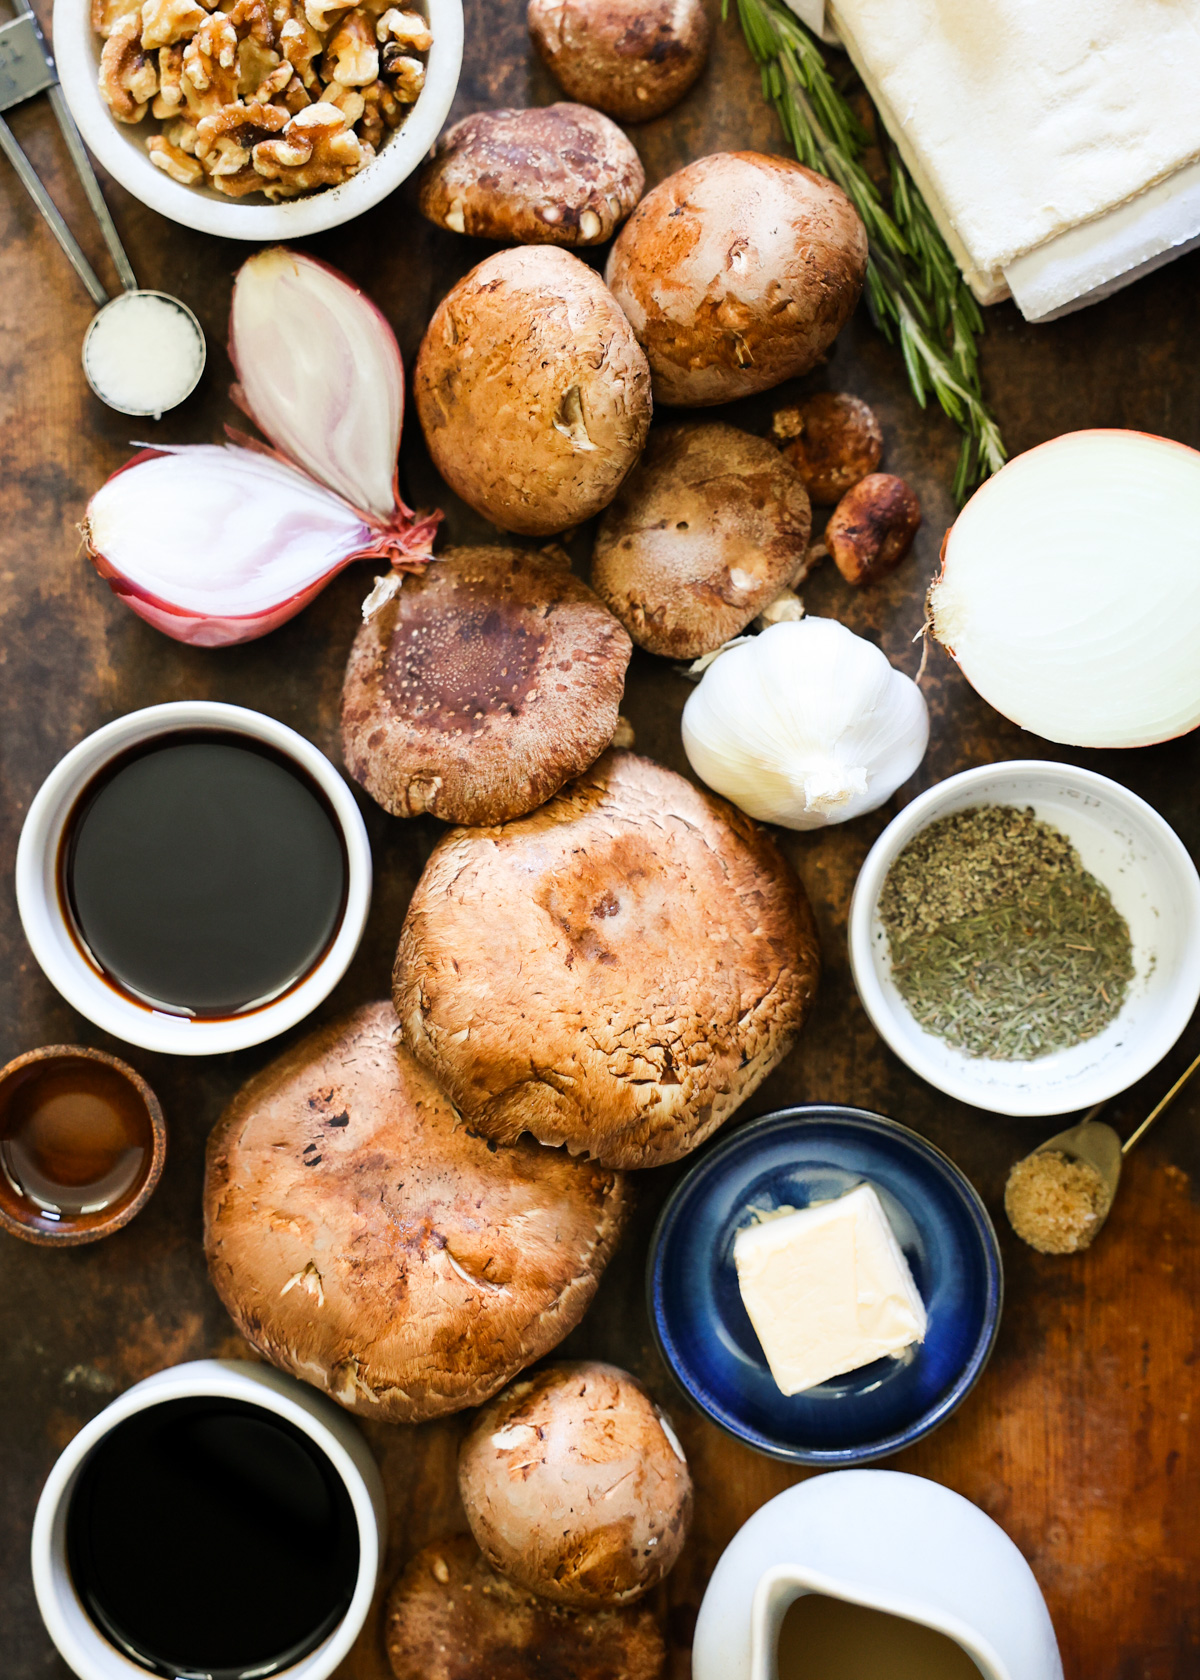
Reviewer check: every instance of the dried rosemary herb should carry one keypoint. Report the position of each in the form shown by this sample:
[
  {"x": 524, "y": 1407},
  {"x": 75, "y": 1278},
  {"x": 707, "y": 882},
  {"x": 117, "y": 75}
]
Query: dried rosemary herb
[{"x": 1002, "y": 944}]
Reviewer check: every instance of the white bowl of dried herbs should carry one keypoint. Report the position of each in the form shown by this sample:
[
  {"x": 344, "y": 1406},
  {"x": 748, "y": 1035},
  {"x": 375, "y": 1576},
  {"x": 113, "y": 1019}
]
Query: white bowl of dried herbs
[{"x": 1026, "y": 936}]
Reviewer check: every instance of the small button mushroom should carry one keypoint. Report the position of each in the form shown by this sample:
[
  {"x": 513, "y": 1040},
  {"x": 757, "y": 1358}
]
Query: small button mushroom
[
  {"x": 707, "y": 529},
  {"x": 633, "y": 59},
  {"x": 538, "y": 426},
  {"x": 737, "y": 272},
  {"x": 833, "y": 440},
  {"x": 872, "y": 528},
  {"x": 450, "y": 1616},
  {"x": 555, "y": 175},
  {"x": 576, "y": 1487}
]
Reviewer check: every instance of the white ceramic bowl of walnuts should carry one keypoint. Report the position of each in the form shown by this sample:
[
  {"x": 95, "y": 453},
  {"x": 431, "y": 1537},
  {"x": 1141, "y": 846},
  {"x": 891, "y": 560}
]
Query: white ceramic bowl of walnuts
[{"x": 262, "y": 119}]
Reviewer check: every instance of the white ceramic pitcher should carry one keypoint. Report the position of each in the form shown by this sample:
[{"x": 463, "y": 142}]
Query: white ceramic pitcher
[{"x": 888, "y": 1541}]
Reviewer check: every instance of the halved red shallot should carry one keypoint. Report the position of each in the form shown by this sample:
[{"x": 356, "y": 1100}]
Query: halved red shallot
[
  {"x": 219, "y": 544},
  {"x": 1069, "y": 592}
]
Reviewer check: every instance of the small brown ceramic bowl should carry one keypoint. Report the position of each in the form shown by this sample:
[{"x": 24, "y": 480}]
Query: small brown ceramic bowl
[{"x": 82, "y": 1145}]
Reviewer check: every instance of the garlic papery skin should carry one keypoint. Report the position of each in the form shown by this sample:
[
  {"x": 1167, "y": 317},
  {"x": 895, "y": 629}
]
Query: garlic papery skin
[{"x": 804, "y": 725}]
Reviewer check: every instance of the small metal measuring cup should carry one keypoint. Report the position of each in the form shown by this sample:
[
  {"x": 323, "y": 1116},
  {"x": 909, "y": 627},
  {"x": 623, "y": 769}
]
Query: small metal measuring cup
[{"x": 27, "y": 69}]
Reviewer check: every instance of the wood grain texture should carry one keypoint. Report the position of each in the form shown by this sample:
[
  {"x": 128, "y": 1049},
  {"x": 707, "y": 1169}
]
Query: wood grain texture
[{"x": 1083, "y": 1438}]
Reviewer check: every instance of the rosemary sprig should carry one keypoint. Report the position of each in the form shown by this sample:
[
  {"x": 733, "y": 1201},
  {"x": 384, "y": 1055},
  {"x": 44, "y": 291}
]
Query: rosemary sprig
[{"x": 914, "y": 289}]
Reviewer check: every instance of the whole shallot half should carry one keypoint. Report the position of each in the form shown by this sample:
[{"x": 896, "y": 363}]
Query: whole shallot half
[{"x": 217, "y": 544}]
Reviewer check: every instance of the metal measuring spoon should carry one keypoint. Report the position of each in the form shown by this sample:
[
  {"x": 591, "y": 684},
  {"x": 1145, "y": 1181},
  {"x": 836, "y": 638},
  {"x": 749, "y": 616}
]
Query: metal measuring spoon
[
  {"x": 1098, "y": 1146},
  {"x": 153, "y": 341}
]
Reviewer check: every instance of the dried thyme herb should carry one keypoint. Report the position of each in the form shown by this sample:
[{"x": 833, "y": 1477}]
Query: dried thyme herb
[{"x": 1002, "y": 944}]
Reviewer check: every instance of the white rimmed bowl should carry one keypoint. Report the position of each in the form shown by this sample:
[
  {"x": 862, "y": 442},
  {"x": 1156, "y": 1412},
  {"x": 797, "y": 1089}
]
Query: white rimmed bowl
[
  {"x": 121, "y": 148},
  {"x": 58, "y": 953},
  {"x": 1140, "y": 859},
  {"x": 78, "y": 1639}
]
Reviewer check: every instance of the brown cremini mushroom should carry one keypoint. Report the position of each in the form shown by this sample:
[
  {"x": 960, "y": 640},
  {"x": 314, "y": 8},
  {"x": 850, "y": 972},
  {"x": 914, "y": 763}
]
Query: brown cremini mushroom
[
  {"x": 575, "y": 1485},
  {"x": 832, "y": 440},
  {"x": 450, "y": 1616},
  {"x": 483, "y": 686},
  {"x": 364, "y": 1239},
  {"x": 616, "y": 971},
  {"x": 532, "y": 391},
  {"x": 737, "y": 272},
  {"x": 633, "y": 59},
  {"x": 704, "y": 533},
  {"x": 555, "y": 175},
  {"x": 872, "y": 528}
]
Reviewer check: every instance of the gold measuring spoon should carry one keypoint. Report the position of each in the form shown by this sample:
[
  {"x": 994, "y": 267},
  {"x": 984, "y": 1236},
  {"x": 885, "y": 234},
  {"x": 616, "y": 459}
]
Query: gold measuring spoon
[{"x": 1093, "y": 1144}]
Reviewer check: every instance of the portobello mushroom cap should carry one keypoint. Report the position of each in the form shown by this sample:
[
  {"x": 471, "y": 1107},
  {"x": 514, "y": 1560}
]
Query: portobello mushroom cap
[
  {"x": 483, "y": 686},
  {"x": 450, "y": 1616},
  {"x": 575, "y": 1485},
  {"x": 533, "y": 394},
  {"x": 553, "y": 175},
  {"x": 704, "y": 533},
  {"x": 616, "y": 971},
  {"x": 364, "y": 1239},
  {"x": 631, "y": 58},
  {"x": 737, "y": 272}
]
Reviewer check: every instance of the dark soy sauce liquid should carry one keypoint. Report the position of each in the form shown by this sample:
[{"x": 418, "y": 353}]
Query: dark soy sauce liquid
[
  {"x": 75, "y": 1139},
  {"x": 205, "y": 874},
  {"x": 208, "y": 1537}
]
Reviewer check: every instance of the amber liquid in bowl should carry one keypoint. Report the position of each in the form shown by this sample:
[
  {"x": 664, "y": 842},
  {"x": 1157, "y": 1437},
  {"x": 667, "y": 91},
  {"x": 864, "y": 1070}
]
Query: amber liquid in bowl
[{"x": 76, "y": 1143}]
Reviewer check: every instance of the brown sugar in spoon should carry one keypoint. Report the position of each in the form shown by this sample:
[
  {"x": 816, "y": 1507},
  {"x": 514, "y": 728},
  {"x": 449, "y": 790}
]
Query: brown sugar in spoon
[{"x": 1059, "y": 1196}]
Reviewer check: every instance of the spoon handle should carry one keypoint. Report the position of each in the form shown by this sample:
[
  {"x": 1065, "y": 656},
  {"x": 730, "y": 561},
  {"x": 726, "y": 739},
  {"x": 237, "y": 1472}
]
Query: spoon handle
[
  {"x": 1159, "y": 1106},
  {"x": 37, "y": 192}
]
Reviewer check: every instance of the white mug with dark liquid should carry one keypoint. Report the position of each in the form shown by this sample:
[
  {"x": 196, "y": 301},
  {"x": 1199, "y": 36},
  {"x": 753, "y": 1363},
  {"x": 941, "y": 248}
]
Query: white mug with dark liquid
[
  {"x": 75, "y": 1557},
  {"x": 861, "y": 1573}
]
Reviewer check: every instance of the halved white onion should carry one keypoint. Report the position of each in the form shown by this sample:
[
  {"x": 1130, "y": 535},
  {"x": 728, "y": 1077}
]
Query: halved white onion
[{"x": 1069, "y": 592}]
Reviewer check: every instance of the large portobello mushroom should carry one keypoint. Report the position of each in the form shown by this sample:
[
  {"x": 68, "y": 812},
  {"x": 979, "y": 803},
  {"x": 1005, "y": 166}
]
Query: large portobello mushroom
[
  {"x": 705, "y": 532},
  {"x": 616, "y": 971},
  {"x": 482, "y": 687},
  {"x": 553, "y": 175},
  {"x": 575, "y": 1485},
  {"x": 533, "y": 393},
  {"x": 365, "y": 1240},
  {"x": 737, "y": 272},
  {"x": 450, "y": 1616}
]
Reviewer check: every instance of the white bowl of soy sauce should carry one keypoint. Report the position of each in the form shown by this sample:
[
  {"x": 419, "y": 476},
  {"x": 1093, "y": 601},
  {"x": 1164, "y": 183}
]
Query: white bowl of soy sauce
[
  {"x": 218, "y": 1521},
  {"x": 194, "y": 878}
]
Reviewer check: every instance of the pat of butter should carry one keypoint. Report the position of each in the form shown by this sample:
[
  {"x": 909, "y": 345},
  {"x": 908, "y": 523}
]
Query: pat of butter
[{"x": 827, "y": 1289}]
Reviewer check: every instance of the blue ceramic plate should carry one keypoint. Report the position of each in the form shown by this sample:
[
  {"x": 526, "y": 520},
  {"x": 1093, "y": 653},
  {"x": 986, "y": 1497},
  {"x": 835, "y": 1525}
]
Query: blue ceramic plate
[{"x": 804, "y": 1155}]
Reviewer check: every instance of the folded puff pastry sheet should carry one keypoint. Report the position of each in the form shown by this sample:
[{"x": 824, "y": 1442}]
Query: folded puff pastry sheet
[{"x": 1020, "y": 119}]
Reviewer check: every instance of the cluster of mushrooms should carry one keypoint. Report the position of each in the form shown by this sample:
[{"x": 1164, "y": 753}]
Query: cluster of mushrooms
[{"x": 600, "y": 961}]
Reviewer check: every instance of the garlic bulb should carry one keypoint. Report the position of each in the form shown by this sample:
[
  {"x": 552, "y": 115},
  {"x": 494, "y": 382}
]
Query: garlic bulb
[{"x": 805, "y": 724}]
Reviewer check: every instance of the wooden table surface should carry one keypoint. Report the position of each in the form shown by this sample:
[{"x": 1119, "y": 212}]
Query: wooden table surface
[{"x": 1083, "y": 1437}]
